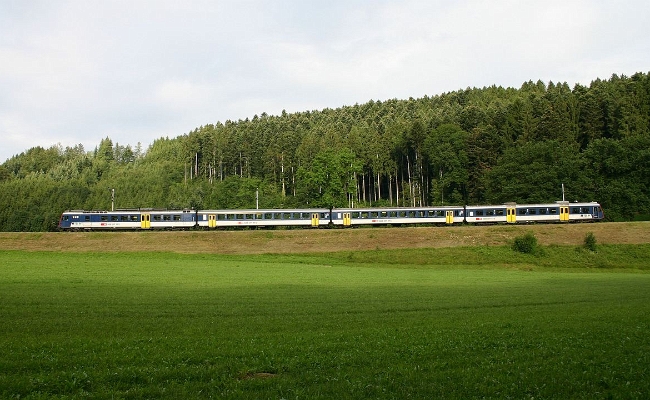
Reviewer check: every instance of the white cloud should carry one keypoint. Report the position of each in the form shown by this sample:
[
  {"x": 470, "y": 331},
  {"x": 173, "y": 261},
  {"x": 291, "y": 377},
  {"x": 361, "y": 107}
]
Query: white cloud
[{"x": 77, "y": 71}]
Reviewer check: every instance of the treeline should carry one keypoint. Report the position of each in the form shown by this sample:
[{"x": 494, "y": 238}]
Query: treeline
[{"x": 472, "y": 146}]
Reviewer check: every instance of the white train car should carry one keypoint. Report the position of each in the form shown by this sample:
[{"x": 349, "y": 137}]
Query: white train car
[
  {"x": 263, "y": 218},
  {"x": 398, "y": 216}
]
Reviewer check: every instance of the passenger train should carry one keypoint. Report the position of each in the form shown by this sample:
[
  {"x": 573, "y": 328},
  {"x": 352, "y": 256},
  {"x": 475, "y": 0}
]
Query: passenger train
[{"x": 509, "y": 213}]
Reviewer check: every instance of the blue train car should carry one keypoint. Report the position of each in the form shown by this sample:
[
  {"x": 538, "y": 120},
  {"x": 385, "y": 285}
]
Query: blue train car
[{"x": 91, "y": 220}]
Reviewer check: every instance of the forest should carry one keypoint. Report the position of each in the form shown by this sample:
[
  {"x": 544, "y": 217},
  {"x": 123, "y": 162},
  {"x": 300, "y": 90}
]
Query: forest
[{"x": 474, "y": 146}]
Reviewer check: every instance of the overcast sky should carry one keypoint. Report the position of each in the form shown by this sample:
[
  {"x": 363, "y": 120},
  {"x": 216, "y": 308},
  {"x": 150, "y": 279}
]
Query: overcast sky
[{"x": 78, "y": 71}]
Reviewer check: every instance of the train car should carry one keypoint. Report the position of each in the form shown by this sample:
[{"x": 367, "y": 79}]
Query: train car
[
  {"x": 529, "y": 213},
  {"x": 487, "y": 214},
  {"x": 100, "y": 220},
  {"x": 561, "y": 211},
  {"x": 168, "y": 219},
  {"x": 585, "y": 211},
  {"x": 263, "y": 218},
  {"x": 398, "y": 216}
]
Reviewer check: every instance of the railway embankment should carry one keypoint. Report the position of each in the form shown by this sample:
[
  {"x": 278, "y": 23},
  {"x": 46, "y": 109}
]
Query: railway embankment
[{"x": 322, "y": 240}]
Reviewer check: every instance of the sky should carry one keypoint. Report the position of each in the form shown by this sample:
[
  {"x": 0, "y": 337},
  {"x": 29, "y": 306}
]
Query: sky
[{"x": 75, "y": 72}]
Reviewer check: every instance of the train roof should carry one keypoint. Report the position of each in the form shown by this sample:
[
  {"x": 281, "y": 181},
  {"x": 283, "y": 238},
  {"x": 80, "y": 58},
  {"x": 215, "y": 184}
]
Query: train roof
[
  {"x": 399, "y": 208},
  {"x": 264, "y": 210},
  {"x": 128, "y": 210}
]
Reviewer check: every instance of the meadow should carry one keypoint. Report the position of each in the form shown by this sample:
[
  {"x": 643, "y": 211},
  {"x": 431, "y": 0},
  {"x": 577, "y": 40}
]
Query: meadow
[{"x": 464, "y": 322}]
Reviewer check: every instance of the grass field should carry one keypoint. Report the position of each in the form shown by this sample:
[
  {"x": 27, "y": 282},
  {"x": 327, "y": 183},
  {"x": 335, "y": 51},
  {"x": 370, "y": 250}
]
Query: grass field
[{"x": 418, "y": 323}]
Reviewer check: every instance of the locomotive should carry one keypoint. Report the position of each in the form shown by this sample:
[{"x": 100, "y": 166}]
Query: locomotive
[{"x": 151, "y": 219}]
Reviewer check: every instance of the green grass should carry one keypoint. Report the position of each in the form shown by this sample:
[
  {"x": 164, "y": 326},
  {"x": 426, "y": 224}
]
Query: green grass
[{"x": 451, "y": 323}]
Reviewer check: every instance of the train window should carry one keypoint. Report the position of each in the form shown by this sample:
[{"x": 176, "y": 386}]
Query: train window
[
  {"x": 177, "y": 217},
  {"x": 114, "y": 218},
  {"x": 124, "y": 217},
  {"x": 355, "y": 215},
  {"x": 393, "y": 214},
  {"x": 277, "y": 216},
  {"x": 383, "y": 214},
  {"x": 420, "y": 214},
  {"x": 479, "y": 213},
  {"x": 135, "y": 218},
  {"x": 576, "y": 210},
  {"x": 87, "y": 218},
  {"x": 239, "y": 216},
  {"x": 499, "y": 212},
  {"x": 364, "y": 214},
  {"x": 374, "y": 214},
  {"x": 552, "y": 210},
  {"x": 543, "y": 211},
  {"x": 104, "y": 218},
  {"x": 489, "y": 212},
  {"x": 167, "y": 217},
  {"x": 230, "y": 217},
  {"x": 411, "y": 214},
  {"x": 402, "y": 214},
  {"x": 532, "y": 211},
  {"x": 286, "y": 216},
  {"x": 268, "y": 216},
  {"x": 305, "y": 216},
  {"x": 156, "y": 218}
]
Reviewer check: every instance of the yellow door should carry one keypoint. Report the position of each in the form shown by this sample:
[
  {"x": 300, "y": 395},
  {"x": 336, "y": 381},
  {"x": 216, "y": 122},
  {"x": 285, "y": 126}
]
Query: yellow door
[
  {"x": 564, "y": 214},
  {"x": 212, "y": 221},
  {"x": 314, "y": 220},
  {"x": 511, "y": 215},
  {"x": 145, "y": 221},
  {"x": 347, "y": 221},
  {"x": 449, "y": 217}
]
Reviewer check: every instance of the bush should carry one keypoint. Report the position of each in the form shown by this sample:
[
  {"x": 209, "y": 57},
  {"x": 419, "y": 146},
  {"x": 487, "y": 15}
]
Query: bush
[
  {"x": 525, "y": 244},
  {"x": 590, "y": 242}
]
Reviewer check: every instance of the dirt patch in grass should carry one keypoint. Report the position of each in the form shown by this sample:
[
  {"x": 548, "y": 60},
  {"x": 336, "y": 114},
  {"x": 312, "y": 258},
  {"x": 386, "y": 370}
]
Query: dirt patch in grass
[
  {"x": 322, "y": 240},
  {"x": 256, "y": 375}
]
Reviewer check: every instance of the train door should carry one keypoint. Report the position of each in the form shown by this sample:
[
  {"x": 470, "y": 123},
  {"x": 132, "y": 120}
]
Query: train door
[
  {"x": 314, "y": 220},
  {"x": 564, "y": 214},
  {"x": 449, "y": 217},
  {"x": 212, "y": 221},
  {"x": 511, "y": 215},
  {"x": 145, "y": 221},
  {"x": 347, "y": 220}
]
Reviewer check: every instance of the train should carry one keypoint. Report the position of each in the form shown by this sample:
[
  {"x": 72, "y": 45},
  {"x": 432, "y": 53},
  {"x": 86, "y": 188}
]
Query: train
[{"x": 153, "y": 219}]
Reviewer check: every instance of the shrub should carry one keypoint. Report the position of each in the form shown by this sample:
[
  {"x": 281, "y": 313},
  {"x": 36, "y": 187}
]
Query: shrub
[
  {"x": 525, "y": 244},
  {"x": 590, "y": 242}
]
